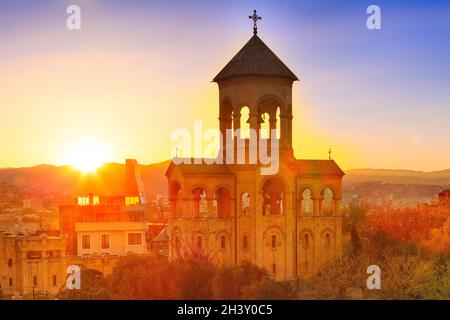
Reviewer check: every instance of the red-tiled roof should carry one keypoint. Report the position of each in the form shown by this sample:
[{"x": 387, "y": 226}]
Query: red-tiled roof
[
  {"x": 317, "y": 167},
  {"x": 301, "y": 167},
  {"x": 255, "y": 58}
]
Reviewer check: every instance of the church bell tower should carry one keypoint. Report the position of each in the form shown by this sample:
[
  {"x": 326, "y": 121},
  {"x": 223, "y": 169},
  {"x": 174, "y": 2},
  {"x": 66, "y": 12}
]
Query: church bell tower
[{"x": 255, "y": 91}]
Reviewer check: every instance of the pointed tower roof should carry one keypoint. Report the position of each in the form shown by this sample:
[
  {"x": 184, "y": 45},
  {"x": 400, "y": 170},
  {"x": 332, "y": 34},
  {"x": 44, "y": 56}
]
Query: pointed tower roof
[{"x": 255, "y": 58}]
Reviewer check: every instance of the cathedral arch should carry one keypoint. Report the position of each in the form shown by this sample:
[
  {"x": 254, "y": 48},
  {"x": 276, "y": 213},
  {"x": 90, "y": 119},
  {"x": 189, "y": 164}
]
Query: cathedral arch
[
  {"x": 199, "y": 202},
  {"x": 328, "y": 201},
  {"x": 245, "y": 203},
  {"x": 306, "y": 239},
  {"x": 222, "y": 198},
  {"x": 177, "y": 239},
  {"x": 306, "y": 202},
  {"x": 327, "y": 237},
  {"x": 199, "y": 241},
  {"x": 245, "y": 240},
  {"x": 244, "y": 122},
  {"x": 176, "y": 199},
  {"x": 274, "y": 194}
]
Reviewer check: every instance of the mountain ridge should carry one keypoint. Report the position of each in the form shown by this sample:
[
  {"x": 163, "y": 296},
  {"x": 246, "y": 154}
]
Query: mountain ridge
[{"x": 110, "y": 177}]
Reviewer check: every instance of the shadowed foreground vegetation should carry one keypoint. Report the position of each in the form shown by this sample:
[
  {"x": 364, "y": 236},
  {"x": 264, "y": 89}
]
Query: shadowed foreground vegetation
[{"x": 411, "y": 247}]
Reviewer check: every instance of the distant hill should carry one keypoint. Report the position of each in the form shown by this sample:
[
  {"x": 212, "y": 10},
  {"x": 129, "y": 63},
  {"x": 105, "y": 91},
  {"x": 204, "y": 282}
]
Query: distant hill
[
  {"x": 397, "y": 176},
  {"x": 110, "y": 179}
]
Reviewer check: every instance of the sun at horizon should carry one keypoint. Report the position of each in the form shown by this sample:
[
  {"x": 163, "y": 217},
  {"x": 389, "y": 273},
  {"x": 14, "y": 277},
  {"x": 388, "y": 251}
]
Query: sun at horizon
[{"x": 87, "y": 155}]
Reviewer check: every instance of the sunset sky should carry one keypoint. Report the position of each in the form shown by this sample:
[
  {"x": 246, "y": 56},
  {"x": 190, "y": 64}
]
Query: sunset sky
[{"x": 137, "y": 70}]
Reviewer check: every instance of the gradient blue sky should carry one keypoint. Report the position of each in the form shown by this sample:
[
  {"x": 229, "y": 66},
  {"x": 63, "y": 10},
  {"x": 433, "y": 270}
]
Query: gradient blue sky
[{"x": 140, "y": 69}]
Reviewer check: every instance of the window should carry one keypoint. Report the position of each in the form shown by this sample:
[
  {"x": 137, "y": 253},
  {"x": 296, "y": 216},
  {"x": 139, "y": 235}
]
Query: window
[
  {"x": 131, "y": 201},
  {"x": 95, "y": 200},
  {"x": 245, "y": 242},
  {"x": 328, "y": 202},
  {"x": 54, "y": 280},
  {"x": 105, "y": 241},
  {"x": 223, "y": 242},
  {"x": 245, "y": 203},
  {"x": 34, "y": 281},
  {"x": 327, "y": 240},
  {"x": 85, "y": 241},
  {"x": 199, "y": 242},
  {"x": 307, "y": 204},
  {"x": 274, "y": 268},
  {"x": 200, "y": 203},
  {"x": 10, "y": 282},
  {"x": 83, "y": 201},
  {"x": 10, "y": 262},
  {"x": 274, "y": 241},
  {"x": 135, "y": 239},
  {"x": 306, "y": 240},
  {"x": 273, "y": 197},
  {"x": 177, "y": 242}
]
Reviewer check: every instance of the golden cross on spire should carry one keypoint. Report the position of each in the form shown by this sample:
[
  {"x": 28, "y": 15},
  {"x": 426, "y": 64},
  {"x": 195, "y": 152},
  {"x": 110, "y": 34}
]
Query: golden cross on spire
[
  {"x": 255, "y": 18},
  {"x": 329, "y": 154}
]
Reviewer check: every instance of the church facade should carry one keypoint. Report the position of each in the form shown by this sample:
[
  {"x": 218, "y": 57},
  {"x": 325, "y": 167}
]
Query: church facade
[{"x": 288, "y": 222}]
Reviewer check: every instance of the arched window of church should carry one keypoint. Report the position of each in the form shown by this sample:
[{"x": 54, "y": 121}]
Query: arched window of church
[
  {"x": 199, "y": 242},
  {"x": 328, "y": 202},
  {"x": 177, "y": 242},
  {"x": 245, "y": 242},
  {"x": 327, "y": 240},
  {"x": 245, "y": 123},
  {"x": 306, "y": 241},
  {"x": 176, "y": 201},
  {"x": 203, "y": 204},
  {"x": 245, "y": 203},
  {"x": 200, "y": 203},
  {"x": 274, "y": 241},
  {"x": 307, "y": 204},
  {"x": 223, "y": 197},
  {"x": 223, "y": 242},
  {"x": 264, "y": 131},
  {"x": 273, "y": 197}
]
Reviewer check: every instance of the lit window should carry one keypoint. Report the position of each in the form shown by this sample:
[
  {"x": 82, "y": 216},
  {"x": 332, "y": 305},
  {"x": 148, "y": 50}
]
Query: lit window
[
  {"x": 83, "y": 201},
  {"x": 131, "y": 201},
  {"x": 105, "y": 241},
  {"x": 135, "y": 239},
  {"x": 245, "y": 203},
  {"x": 85, "y": 241},
  {"x": 96, "y": 201}
]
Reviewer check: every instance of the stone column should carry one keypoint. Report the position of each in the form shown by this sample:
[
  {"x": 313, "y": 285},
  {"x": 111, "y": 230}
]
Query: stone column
[{"x": 316, "y": 206}]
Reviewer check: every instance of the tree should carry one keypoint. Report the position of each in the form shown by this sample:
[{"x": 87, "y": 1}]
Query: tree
[{"x": 355, "y": 215}]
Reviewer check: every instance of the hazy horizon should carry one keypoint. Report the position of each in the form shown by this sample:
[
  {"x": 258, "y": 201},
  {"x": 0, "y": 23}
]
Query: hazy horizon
[{"x": 162, "y": 162}]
